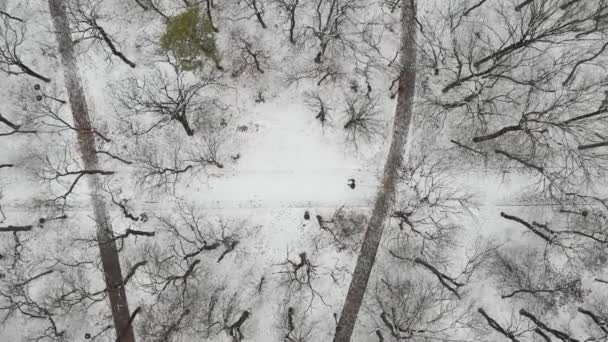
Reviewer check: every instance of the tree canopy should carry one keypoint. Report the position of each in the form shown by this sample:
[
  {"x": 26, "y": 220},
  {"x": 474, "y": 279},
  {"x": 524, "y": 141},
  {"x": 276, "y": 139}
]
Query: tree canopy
[{"x": 191, "y": 38}]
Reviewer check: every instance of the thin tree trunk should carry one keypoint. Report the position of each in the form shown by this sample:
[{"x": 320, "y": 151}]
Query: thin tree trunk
[
  {"x": 373, "y": 234},
  {"x": 86, "y": 141}
]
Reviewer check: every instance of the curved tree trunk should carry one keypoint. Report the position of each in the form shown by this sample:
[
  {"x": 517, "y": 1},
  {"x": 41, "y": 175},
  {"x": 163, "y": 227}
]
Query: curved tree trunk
[
  {"x": 86, "y": 141},
  {"x": 373, "y": 234}
]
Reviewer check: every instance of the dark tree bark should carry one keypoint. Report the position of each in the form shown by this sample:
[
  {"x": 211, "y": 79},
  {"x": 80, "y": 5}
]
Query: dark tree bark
[
  {"x": 373, "y": 234},
  {"x": 27, "y": 70},
  {"x": 184, "y": 121},
  {"x": 494, "y": 325},
  {"x": 210, "y": 17},
  {"x": 112, "y": 47},
  {"x": 292, "y": 21},
  {"x": 10, "y": 16},
  {"x": 86, "y": 140},
  {"x": 497, "y": 134},
  {"x": 15, "y": 229},
  {"x": 559, "y": 334},
  {"x": 254, "y": 5}
]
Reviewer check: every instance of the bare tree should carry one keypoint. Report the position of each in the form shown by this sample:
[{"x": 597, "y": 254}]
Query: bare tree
[
  {"x": 345, "y": 228},
  {"x": 299, "y": 277},
  {"x": 164, "y": 165},
  {"x": 362, "y": 122},
  {"x": 86, "y": 138},
  {"x": 85, "y": 16},
  {"x": 154, "y": 5},
  {"x": 289, "y": 8},
  {"x": 196, "y": 235},
  {"x": 12, "y": 36},
  {"x": 50, "y": 291},
  {"x": 328, "y": 25},
  {"x": 510, "y": 107},
  {"x": 297, "y": 325},
  {"x": 401, "y": 123},
  {"x": 258, "y": 11},
  {"x": 168, "y": 96},
  {"x": 333, "y": 29},
  {"x": 249, "y": 56},
  {"x": 549, "y": 137},
  {"x": 186, "y": 301},
  {"x": 15, "y": 128},
  {"x": 532, "y": 278},
  {"x": 315, "y": 102},
  {"x": 412, "y": 307},
  {"x": 525, "y": 325}
]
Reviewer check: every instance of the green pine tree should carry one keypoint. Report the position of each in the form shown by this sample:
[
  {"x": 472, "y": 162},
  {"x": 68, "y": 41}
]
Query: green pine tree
[{"x": 191, "y": 38}]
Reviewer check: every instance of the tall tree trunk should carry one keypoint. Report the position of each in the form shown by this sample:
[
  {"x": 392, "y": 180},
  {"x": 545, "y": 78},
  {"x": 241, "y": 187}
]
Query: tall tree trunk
[
  {"x": 86, "y": 141},
  {"x": 401, "y": 123}
]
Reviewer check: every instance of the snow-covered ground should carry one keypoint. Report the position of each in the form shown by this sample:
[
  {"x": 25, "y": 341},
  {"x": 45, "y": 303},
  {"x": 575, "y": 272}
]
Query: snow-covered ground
[{"x": 287, "y": 185}]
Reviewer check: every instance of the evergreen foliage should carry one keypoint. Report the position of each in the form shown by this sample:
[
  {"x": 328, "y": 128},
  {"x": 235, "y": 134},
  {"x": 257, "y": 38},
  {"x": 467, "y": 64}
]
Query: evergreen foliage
[{"x": 191, "y": 38}]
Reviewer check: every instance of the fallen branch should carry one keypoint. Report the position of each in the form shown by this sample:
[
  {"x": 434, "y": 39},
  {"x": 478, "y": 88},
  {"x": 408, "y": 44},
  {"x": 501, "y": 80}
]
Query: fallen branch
[
  {"x": 15, "y": 229},
  {"x": 34, "y": 278},
  {"x": 561, "y": 335},
  {"x": 522, "y": 5},
  {"x": 468, "y": 11},
  {"x": 229, "y": 248},
  {"x": 494, "y": 325},
  {"x": 521, "y": 161},
  {"x": 498, "y": 133},
  {"x": 110, "y": 44},
  {"x": 205, "y": 247},
  {"x": 132, "y": 271},
  {"x": 466, "y": 147},
  {"x": 10, "y": 16},
  {"x": 443, "y": 279},
  {"x": 527, "y": 225},
  {"x": 235, "y": 329},
  {"x": 590, "y": 146},
  {"x": 113, "y": 156},
  {"x": 595, "y": 319}
]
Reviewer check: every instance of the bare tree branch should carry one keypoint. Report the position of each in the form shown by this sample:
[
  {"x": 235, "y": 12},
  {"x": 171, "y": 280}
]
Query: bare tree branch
[
  {"x": 15, "y": 229},
  {"x": 561, "y": 335},
  {"x": 497, "y": 326}
]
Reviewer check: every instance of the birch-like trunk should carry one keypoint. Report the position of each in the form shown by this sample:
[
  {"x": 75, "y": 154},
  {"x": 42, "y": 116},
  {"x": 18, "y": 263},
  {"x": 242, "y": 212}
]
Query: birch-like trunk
[
  {"x": 86, "y": 140},
  {"x": 385, "y": 195}
]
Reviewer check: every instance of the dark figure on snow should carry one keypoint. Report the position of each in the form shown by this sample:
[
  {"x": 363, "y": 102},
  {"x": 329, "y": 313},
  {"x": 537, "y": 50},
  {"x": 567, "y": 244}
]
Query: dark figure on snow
[{"x": 351, "y": 183}]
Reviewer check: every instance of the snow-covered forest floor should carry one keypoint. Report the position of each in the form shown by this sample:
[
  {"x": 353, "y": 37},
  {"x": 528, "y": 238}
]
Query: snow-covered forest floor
[{"x": 234, "y": 182}]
